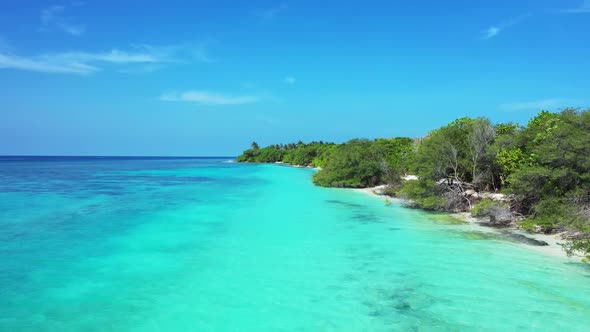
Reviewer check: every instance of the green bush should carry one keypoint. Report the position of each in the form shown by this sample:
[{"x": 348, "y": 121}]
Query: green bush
[
  {"x": 578, "y": 246},
  {"x": 300, "y": 154},
  {"x": 433, "y": 203},
  {"x": 353, "y": 164},
  {"x": 425, "y": 193},
  {"x": 533, "y": 224},
  {"x": 486, "y": 207}
]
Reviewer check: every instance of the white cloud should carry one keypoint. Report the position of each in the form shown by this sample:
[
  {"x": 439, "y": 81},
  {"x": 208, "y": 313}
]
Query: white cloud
[
  {"x": 208, "y": 98},
  {"x": 113, "y": 56},
  {"x": 290, "y": 80},
  {"x": 584, "y": 8},
  {"x": 270, "y": 13},
  {"x": 544, "y": 104},
  {"x": 73, "y": 62},
  {"x": 494, "y": 30},
  {"x": 40, "y": 65},
  {"x": 91, "y": 62},
  {"x": 53, "y": 17},
  {"x": 491, "y": 32},
  {"x": 182, "y": 52}
]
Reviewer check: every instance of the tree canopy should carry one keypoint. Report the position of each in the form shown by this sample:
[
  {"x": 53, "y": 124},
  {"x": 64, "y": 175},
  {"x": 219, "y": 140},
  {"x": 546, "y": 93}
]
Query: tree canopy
[
  {"x": 301, "y": 154},
  {"x": 365, "y": 163}
]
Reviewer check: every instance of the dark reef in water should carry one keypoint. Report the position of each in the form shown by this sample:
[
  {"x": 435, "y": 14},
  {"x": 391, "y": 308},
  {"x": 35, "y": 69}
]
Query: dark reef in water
[
  {"x": 523, "y": 239},
  {"x": 504, "y": 235},
  {"x": 347, "y": 204}
]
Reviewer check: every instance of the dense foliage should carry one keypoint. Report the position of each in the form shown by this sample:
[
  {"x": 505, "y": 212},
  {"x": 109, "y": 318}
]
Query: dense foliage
[
  {"x": 300, "y": 154},
  {"x": 553, "y": 186},
  {"x": 542, "y": 169},
  {"x": 365, "y": 163}
]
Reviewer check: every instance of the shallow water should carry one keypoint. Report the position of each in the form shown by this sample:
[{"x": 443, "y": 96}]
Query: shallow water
[{"x": 206, "y": 245}]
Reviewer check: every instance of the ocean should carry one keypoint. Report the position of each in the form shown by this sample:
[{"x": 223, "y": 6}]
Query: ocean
[{"x": 205, "y": 244}]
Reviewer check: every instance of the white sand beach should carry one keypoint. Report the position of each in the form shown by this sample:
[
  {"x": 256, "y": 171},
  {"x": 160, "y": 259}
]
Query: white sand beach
[{"x": 553, "y": 249}]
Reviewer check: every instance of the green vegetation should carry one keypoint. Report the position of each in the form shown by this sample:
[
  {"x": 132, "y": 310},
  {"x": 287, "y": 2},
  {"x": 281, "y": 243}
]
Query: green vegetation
[
  {"x": 498, "y": 212},
  {"x": 542, "y": 170},
  {"x": 365, "y": 163},
  {"x": 300, "y": 154},
  {"x": 484, "y": 208},
  {"x": 425, "y": 193},
  {"x": 580, "y": 245}
]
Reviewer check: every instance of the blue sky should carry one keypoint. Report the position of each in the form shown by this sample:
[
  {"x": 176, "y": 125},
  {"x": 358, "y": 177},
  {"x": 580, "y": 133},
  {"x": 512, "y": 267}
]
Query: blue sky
[{"x": 209, "y": 77}]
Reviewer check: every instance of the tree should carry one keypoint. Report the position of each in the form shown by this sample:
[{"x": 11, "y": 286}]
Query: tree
[
  {"x": 552, "y": 179},
  {"x": 443, "y": 153},
  {"x": 356, "y": 163},
  {"x": 481, "y": 134},
  {"x": 295, "y": 154}
]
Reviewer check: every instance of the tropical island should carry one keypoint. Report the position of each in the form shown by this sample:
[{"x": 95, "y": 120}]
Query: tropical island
[{"x": 534, "y": 177}]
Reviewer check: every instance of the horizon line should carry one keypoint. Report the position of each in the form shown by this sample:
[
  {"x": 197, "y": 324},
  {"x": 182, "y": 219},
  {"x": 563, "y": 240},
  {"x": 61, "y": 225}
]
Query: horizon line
[{"x": 108, "y": 156}]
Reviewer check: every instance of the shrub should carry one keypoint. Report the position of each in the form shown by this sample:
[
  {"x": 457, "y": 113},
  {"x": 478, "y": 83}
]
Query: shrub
[
  {"x": 486, "y": 207},
  {"x": 353, "y": 164},
  {"x": 425, "y": 193},
  {"x": 498, "y": 212},
  {"x": 578, "y": 246}
]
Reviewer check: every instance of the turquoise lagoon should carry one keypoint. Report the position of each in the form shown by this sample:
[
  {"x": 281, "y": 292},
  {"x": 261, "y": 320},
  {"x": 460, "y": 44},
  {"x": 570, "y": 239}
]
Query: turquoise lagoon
[{"x": 151, "y": 244}]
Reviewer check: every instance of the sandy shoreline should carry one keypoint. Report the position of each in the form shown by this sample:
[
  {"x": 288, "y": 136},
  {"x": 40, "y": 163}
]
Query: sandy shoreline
[
  {"x": 553, "y": 249},
  {"x": 280, "y": 163}
]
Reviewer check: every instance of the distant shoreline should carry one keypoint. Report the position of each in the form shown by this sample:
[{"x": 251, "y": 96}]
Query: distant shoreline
[
  {"x": 28, "y": 158},
  {"x": 295, "y": 166}
]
